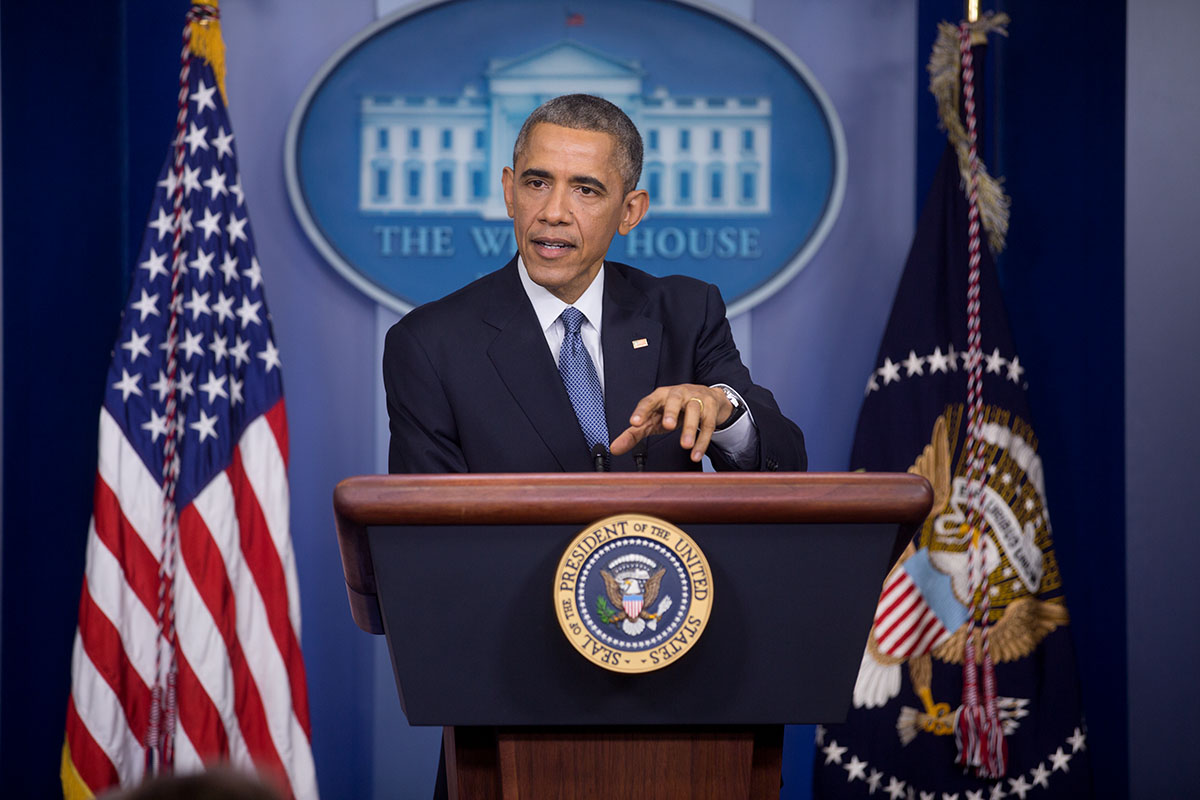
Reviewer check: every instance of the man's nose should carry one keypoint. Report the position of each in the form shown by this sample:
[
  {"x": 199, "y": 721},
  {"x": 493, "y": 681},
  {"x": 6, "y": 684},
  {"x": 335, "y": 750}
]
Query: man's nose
[{"x": 557, "y": 210}]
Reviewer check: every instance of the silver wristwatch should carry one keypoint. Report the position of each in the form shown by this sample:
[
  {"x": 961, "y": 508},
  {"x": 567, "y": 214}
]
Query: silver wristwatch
[{"x": 738, "y": 404}]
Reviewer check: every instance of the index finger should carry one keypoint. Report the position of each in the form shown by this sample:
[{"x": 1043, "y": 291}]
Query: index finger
[
  {"x": 628, "y": 439},
  {"x": 649, "y": 404}
]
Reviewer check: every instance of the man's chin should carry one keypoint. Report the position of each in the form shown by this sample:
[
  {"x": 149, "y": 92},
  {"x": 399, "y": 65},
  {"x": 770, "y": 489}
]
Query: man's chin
[
  {"x": 564, "y": 281},
  {"x": 550, "y": 271},
  {"x": 549, "y": 279}
]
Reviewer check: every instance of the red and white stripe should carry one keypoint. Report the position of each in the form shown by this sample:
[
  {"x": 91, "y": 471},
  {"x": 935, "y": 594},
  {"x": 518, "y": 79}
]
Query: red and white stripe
[
  {"x": 633, "y": 607},
  {"x": 905, "y": 625},
  {"x": 241, "y": 685}
]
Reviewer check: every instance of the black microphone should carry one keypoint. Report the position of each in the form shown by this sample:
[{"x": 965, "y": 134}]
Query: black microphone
[
  {"x": 639, "y": 456},
  {"x": 600, "y": 457}
]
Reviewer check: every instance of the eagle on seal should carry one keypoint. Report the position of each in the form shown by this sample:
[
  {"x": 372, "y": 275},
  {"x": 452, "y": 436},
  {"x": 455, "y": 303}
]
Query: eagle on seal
[{"x": 633, "y": 601}]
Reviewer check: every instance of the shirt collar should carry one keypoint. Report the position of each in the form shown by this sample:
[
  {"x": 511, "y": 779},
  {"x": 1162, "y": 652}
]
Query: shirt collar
[{"x": 548, "y": 307}]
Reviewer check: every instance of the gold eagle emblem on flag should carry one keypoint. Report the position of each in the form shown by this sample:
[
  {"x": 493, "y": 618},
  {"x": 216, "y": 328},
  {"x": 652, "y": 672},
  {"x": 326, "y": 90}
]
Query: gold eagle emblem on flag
[{"x": 922, "y": 611}]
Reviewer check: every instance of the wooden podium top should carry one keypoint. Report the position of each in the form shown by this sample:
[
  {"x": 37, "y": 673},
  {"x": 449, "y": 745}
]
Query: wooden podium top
[
  {"x": 580, "y": 498},
  {"x": 585, "y": 496}
]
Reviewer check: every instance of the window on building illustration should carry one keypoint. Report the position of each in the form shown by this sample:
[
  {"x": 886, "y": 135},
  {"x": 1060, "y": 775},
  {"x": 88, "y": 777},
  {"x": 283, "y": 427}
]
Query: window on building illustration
[
  {"x": 480, "y": 142},
  {"x": 413, "y": 181},
  {"x": 685, "y": 139},
  {"x": 652, "y": 138},
  {"x": 716, "y": 140},
  {"x": 446, "y": 183},
  {"x": 447, "y": 138},
  {"x": 382, "y": 176},
  {"x": 381, "y": 139},
  {"x": 654, "y": 184},
  {"x": 478, "y": 184},
  {"x": 749, "y": 187},
  {"x": 414, "y": 139},
  {"x": 716, "y": 185},
  {"x": 685, "y": 187},
  {"x": 747, "y": 140}
]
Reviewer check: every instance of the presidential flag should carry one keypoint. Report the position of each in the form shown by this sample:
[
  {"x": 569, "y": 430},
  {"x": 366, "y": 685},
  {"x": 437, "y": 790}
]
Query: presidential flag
[
  {"x": 967, "y": 687},
  {"x": 187, "y": 651}
]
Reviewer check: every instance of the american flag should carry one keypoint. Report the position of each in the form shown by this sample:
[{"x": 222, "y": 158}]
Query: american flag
[{"x": 188, "y": 646}]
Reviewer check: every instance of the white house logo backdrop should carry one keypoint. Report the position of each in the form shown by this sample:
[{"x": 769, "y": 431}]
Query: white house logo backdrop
[{"x": 395, "y": 150}]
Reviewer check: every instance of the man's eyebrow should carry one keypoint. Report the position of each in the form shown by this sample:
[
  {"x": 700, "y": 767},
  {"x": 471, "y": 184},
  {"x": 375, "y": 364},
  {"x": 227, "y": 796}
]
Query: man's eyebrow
[{"x": 586, "y": 180}]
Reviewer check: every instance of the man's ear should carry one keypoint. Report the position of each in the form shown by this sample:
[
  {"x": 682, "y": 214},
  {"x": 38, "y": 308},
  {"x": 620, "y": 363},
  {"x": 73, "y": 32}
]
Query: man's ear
[
  {"x": 506, "y": 180},
  {"x": 636, "y": 204}
]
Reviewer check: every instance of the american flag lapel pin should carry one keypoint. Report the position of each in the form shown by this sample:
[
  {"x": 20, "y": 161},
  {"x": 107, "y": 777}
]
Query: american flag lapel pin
[{"x": 638, "y": 344}]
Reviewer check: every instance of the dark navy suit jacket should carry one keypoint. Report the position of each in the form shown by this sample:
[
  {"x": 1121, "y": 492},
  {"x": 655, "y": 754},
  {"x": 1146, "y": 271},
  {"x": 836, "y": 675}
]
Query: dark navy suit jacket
[{"x": 472, "y": 387}]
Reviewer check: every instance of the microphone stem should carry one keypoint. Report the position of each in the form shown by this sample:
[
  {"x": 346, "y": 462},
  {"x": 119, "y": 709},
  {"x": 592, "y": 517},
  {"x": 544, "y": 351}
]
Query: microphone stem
[{"x": 600, "y": 458}]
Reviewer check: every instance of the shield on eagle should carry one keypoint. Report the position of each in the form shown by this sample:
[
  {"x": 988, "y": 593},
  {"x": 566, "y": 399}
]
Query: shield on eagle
[{"x": 632, "y": 603}]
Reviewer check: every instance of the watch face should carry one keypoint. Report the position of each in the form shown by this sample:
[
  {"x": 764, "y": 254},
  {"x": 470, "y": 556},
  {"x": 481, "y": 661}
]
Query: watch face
[{"x": 738, "y": 409}]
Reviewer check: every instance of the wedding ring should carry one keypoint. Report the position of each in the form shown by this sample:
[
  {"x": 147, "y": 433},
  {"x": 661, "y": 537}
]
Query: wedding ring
[{"x": 696, "y": 400}]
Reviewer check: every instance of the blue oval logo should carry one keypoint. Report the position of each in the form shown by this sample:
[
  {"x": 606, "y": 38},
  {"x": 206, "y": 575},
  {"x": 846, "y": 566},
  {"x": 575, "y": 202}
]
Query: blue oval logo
[{"x": 394, "y": 152}]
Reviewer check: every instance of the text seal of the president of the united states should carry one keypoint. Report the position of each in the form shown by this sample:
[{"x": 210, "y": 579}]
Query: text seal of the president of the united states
[{"x": 633, "y": 593}]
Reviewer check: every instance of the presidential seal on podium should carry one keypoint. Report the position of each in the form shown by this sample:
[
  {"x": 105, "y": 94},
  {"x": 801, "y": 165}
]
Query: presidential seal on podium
[{"x": 633, "y": 593}]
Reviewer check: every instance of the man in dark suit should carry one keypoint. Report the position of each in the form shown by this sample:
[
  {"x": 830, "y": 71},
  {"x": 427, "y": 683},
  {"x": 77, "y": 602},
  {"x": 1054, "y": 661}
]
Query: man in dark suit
[{"x": 531, "y": 368}]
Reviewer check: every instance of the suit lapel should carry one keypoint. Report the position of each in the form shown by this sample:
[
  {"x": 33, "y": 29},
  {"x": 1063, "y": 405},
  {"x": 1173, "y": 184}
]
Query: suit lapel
[
  {"x": 524, "y": 363},
  {"x": 630, "y": 368}
]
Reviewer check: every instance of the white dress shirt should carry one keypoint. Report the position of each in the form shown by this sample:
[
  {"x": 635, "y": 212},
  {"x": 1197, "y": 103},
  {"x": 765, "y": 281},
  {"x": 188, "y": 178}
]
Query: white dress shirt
[{"x": 739, "y": 442}]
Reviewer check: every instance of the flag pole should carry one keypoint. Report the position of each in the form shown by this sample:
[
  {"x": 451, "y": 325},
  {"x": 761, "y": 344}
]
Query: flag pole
[{"x": 972, "y": 10}]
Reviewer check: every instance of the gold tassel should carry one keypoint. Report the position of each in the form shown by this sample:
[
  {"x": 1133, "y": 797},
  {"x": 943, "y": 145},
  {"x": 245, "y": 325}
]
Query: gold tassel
[
  {"x": 945, "y": 84},
  {"x": 207, "y": 44}
]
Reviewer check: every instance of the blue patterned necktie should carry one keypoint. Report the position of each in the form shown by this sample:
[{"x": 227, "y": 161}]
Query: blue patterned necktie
[{"x": 583, "y": 384}]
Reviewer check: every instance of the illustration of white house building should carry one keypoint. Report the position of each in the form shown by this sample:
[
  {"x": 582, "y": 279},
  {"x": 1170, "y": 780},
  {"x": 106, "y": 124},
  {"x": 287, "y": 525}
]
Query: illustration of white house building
[{"x": 703, "y": 155}]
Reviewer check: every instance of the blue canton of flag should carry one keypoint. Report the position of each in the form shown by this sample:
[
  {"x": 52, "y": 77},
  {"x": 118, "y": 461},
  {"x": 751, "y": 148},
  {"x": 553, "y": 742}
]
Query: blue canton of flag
[
  {"x": 228, "y": 363},
  {"x": 188, "y": 646}
]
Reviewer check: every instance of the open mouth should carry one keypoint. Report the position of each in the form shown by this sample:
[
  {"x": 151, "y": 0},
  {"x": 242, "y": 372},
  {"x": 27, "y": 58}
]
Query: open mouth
[
  {"x": 553, "y": 244},
  {"x": 553, "y": 248}
]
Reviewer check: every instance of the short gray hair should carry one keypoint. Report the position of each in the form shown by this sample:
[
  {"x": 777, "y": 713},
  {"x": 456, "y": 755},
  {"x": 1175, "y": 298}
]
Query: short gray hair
[{"x": 586, "y": 112}]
